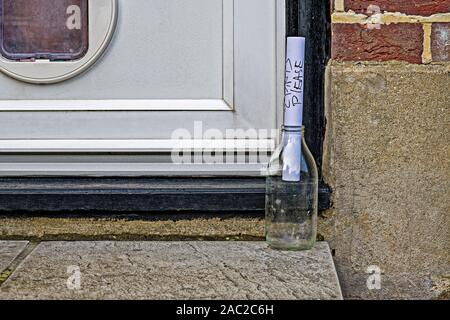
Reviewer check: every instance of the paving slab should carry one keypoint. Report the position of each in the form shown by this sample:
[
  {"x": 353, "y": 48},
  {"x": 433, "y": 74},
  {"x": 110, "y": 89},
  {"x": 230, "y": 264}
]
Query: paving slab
[
  {"x": 172, "y": 270},
  {"x": 9, "y": 250}
]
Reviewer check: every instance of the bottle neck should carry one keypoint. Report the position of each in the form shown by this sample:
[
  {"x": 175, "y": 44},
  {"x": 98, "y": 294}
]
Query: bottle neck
[{"x": 293, "y": 129}]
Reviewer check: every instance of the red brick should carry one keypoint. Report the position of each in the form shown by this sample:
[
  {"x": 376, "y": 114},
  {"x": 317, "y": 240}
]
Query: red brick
[
  {"x": 415, "y": 7},
  {"x": 355, "y": 42},
  {"x": 440, "y": 41}
]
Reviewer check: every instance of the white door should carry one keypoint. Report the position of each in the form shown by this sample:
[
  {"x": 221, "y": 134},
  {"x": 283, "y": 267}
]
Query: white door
[{"x": 170, "y": 67}]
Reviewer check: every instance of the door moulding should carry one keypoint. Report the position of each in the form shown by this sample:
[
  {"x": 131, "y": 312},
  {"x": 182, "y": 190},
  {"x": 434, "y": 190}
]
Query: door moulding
[
  {"x": 235, "y": 157},
  {"x": 115, "y": 105}
]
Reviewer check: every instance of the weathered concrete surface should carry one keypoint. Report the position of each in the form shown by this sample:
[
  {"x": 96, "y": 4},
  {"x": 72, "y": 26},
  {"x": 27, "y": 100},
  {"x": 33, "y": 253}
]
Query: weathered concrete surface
[
  {"x": 178, "y": 227},
  {"x": 173, "y": 270},
  {"x": 9, "y": 250},
  {"x": 388, "y": 161}
]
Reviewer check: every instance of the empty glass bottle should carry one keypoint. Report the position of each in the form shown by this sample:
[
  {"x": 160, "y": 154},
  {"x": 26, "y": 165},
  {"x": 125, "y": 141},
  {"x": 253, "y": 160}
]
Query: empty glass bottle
[{"x": 291, "y": 194}]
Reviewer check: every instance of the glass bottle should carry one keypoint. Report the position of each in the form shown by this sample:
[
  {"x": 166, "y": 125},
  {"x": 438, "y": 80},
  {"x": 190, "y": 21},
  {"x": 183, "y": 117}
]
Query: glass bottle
[{"x": 291, "y": 194}]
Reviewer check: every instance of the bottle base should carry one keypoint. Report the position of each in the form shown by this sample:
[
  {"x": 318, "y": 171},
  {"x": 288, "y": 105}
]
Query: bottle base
[{"x": 294, "y": 245}]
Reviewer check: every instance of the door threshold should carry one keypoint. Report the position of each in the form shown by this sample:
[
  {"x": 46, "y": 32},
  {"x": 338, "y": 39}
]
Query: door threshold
[{"x": 143, "y": 194}]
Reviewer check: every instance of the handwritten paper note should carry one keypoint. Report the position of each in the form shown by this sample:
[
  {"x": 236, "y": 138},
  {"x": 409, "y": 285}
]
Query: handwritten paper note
[
  {"x": 293, "y": 108},
  {"x": 294, "y": 81}
]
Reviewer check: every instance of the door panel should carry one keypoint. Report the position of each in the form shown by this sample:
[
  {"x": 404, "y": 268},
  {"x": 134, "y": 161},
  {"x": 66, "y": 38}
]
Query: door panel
[
  {"x": 161, "y": 50},
  {"x": 170, "y": 65}
]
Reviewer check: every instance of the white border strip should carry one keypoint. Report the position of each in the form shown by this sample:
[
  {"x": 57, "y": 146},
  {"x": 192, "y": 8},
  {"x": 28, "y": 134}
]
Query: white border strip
[
  {"x": 135, "y": 146},
  {"x": 114, "y": 105},
  {"x": 129, "y": 169}
]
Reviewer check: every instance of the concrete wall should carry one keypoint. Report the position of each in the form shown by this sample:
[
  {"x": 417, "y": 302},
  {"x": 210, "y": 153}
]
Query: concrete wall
[{"x": 387, "y": 160}]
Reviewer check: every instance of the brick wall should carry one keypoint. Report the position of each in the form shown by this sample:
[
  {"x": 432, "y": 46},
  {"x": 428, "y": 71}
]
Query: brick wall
[{"x": 391, "y": 30}]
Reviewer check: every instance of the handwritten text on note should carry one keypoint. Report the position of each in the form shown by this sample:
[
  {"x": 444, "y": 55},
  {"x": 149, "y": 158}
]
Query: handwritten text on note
[{"x": 294, "y": 81}]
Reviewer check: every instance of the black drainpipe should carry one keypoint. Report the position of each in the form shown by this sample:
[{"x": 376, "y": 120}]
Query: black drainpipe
[{"x": 311, "y": 19}]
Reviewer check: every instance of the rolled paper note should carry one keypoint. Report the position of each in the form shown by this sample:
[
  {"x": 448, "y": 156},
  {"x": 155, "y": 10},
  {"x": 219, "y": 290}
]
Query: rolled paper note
[
  {"x": 293, "y": 107},
  {"x": 294, "y": 82}
]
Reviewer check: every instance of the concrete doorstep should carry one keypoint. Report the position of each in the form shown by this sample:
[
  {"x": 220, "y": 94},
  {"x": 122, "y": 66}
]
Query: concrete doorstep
[{"x": 164, "y": 270}]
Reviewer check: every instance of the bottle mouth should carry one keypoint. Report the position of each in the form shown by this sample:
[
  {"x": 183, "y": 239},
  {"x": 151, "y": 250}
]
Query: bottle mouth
[{"x": 293, "y": 128}]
